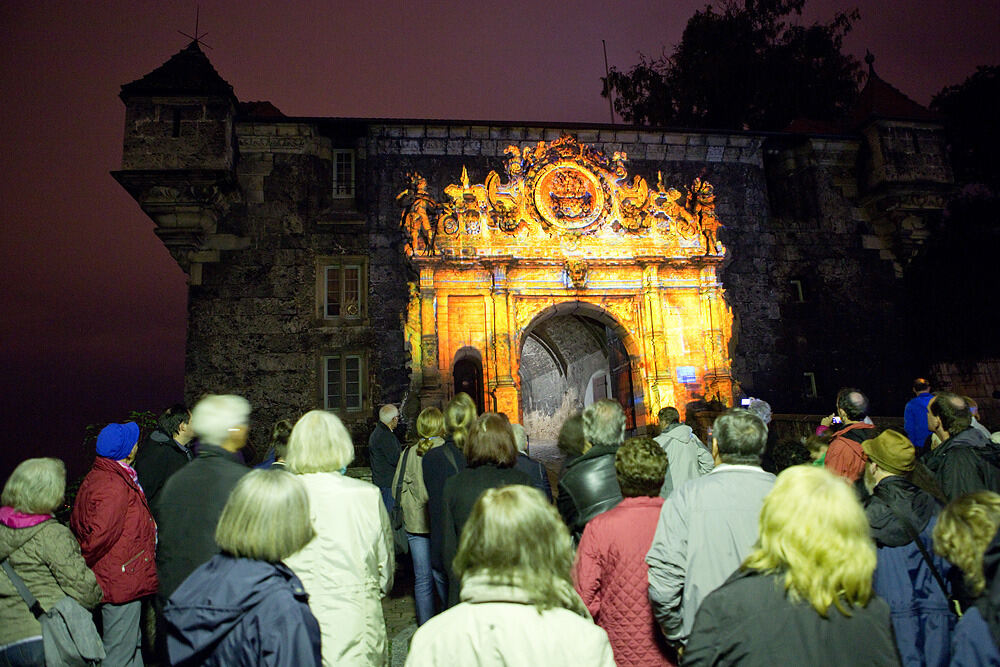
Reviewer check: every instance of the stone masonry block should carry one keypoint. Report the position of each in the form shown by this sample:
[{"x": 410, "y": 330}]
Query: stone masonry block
[
  {"x": 288, "y": 130},
  {"x": 434, "y": 147},
  {"x": 479, "y": 132},
  {"x": 410, "y": 147},
  {"x": 414, "y": 131},
  {"x": 458, "y": 131},
  {"x": 454, "y": 147},
  {"x": 437, "y": 131}
]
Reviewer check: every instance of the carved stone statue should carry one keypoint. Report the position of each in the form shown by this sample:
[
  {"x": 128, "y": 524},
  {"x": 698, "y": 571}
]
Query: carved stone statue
[{"x": 417, "y": 218}]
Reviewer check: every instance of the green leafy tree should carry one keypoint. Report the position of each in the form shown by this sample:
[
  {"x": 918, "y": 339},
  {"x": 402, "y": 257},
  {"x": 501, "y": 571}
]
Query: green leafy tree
[
  {"x": 970, "y": 116},
  {"x": 744, "y": 66}
]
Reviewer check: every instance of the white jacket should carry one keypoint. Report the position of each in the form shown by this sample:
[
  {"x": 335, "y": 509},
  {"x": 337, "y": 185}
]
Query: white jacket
[
  {"x": 498, "y": 625},
  {"x": 348, "y": 568}
]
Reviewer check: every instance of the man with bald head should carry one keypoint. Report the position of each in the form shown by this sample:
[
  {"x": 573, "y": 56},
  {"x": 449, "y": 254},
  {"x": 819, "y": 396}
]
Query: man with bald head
[
  {"x": 845, "y": 457},
  {"x": 958, "y": 463}
]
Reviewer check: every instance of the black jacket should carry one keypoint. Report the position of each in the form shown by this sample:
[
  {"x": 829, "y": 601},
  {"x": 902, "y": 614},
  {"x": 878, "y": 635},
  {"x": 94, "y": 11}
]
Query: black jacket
[
  {"x": 460, "y": 493},
  {"x": 383, "y": 452},
  {"x": 439, "y": 464},
  {"x": 917, "y": 506},
  {"x": 159, "y": 457},
  {"x": 958, "y": 465},
  {"x": 536, "y": 471},
  {"x": 750, "y": 621},
  {"x": 588, "y": 487},
  {"x": 186, "y": 511}
]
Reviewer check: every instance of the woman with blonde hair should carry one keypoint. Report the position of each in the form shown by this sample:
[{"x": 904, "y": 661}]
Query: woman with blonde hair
[
  {"x": 518, "y": 602},
  {"x": 349, "y": 567},
  {"x": 804, "y": 596},
  {"x": 966, "y": 534},
  {"x": 43, "y": 552},
  {"x": 413, "y": 499},
  {"x": 244, "y": 606},
  {"x": 490, "y": 455},
  {"x": 439, "y": 465}
]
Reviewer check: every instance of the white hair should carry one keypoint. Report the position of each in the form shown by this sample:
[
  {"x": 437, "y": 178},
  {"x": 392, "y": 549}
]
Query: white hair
[
  {"x": 520, "y": 437},
  {"x": 387, "y": 413},
  {"x": 214, "y": 415},
  {"x": 319, "y": 443},
  {"x": 604, "y": 423}
]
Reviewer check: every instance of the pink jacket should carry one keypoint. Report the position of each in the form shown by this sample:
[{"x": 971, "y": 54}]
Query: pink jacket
[{"x": 610, "y": 574}]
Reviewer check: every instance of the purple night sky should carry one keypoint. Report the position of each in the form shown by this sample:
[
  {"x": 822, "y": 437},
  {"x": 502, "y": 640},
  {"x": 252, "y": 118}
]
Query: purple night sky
[{"x": 94, "y": 307}]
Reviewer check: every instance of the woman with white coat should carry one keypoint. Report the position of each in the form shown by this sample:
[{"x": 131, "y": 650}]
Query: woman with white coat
[
  {"x": 348, "y": 568},
  {"x": 518, "y": 603}
]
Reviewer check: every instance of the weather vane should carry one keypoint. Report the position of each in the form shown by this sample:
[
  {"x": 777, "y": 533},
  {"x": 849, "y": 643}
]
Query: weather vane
[{"x": 197, "y": 36}]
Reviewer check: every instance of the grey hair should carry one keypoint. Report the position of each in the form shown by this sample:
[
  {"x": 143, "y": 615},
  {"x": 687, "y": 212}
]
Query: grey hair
[
  {"x": 214, "y": 415},
  {"x": 604, "y": 423},
  {"x": 319, "y": 443},
  {"x": 740, "y": 436},
  {"x": 37, "y": 486},
  {"x": 762, "y": 409},
  {"x": 266, "y": 517}
]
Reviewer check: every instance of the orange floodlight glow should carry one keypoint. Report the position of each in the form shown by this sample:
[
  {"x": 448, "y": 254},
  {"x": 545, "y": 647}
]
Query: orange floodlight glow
[{"x": 566, "y": 228}]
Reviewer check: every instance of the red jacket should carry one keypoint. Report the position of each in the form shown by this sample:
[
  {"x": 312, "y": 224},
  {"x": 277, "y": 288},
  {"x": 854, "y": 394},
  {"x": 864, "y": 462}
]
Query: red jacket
[
  {"x": 610, "y": 574},
  {"x": 844, "y": 456},
  {"x": 116, "y": 532}
]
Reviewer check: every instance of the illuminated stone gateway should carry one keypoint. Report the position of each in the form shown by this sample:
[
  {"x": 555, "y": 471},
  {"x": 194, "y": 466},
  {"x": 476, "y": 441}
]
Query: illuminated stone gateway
[{"x": 565, "y": 231}]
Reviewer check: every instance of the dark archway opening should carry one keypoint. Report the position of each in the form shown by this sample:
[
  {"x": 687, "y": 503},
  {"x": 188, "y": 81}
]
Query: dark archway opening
[{"x": 468, "y": 377}]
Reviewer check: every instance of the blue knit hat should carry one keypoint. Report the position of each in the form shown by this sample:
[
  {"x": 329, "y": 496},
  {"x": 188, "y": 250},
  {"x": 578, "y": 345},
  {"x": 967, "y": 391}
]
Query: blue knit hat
[{"x": 117, "y": 440}]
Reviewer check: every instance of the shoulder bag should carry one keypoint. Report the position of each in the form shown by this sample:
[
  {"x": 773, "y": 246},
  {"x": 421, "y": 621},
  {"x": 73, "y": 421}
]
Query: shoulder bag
[
  {"x": 68, "y": 631},
  {"x": 396, "y": 516}
]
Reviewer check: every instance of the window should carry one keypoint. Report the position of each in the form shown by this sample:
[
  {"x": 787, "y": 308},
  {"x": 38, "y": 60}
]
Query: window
[
  {"x": 343, "y": 383},
  {"x": 342, "y": 288},
  {"x": 343, "y": 174}
]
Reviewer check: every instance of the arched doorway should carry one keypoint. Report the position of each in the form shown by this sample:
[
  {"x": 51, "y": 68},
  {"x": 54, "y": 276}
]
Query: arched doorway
[
  {"x": 571, "y": 355},
  {"x": 467, "y": 376}
]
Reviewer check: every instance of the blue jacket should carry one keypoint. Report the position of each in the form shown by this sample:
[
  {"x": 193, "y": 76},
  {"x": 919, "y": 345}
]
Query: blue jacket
[
  {"x": 237, "y": 611},
  {"x": 915, "y": 420},
  {"x": 920, "y": 616},
  {"x": 972, "y": 645}
]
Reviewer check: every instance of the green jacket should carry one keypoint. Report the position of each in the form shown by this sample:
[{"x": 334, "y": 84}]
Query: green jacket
[{"x": 47, "y": 557}]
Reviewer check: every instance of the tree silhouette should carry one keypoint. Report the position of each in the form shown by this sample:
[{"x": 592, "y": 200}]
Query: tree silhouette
[{"x": 743, "y": 67}]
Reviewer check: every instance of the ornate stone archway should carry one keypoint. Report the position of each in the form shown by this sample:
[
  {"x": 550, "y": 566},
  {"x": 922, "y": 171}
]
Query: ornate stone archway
[{"x": 567, "y": 228}]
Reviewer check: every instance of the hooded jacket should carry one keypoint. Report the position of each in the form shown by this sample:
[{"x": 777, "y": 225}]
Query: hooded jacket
[
  {"x": 687, "y": 457},
  {"x": 920, "y": 615},
  {"x": 116, "y": 532},
  {"x": 238, "y": 611},
  {"x": 844, "y": 456},
  {"x": 498, "y": 625},
  {"x": 47, "y": 557},
  {"x": 958, "y": 465}
]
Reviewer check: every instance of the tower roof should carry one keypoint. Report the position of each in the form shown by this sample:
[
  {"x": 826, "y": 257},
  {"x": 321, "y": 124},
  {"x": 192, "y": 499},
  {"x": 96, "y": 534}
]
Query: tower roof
[
  {"x": 879, "y": 99},
  {"x": 188, "y": 72}
]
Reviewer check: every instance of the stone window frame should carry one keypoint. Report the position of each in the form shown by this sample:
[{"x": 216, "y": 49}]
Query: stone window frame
[
  {"x": 341, "y": 189},
  {"x": 349, "y": 405},
  {"x": 340, "y": 263}
]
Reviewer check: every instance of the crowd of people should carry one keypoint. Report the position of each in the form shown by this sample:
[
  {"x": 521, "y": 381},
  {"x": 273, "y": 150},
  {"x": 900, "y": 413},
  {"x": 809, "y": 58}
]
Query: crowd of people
[{"x": 855, "y": 545}]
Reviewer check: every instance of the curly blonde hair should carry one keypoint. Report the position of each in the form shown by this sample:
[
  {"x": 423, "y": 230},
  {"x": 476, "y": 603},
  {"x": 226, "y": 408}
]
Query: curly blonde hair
[
  {"x": 964, "y": 530},
  {"x": 814, "y": 532}
]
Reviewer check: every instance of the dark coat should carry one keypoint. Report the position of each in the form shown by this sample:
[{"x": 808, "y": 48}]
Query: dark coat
[
  {"x": 237, "y": 611},
  {"x": 536, "y": 471},
  {"x": 588, "y": 487},
  {"x": 117, "y": 535},
  {"x": 460, "y": 493},
  {"x": 958, "y": 466},
  {"x": 750, "y": 621},
  {"x": 159, "y": 457},
  {"x": 383, "y": 452},
  {"x": 187, "y": 509},
  {"x": 920, "y": 615},
  {"x": 977, "y": 634},
  {"x": 439, "y": 464}
]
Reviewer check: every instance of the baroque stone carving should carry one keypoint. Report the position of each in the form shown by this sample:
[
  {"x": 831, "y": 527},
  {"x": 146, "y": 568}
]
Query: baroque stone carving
[
  {"x": 576, "y": 269},
  {"x": 558, "y": 189}
]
